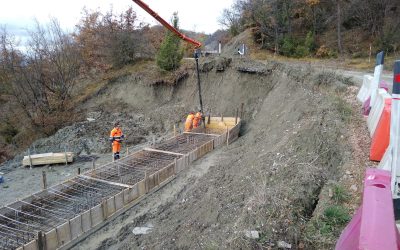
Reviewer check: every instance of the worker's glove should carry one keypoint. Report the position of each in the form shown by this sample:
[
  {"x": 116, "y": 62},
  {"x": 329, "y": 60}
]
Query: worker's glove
[{"x": 111, "y": 139}]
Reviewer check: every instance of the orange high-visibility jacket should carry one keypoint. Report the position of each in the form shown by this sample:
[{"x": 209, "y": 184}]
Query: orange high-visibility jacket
[
  {"x": 189, "y": 122},
  {"x": 197, "y": 120},
  {"x": 116, "y": 138}
]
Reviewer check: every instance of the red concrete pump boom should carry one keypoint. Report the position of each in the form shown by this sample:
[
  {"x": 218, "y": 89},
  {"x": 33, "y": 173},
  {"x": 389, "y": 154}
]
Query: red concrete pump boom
[{"x": 144, "y": 6}]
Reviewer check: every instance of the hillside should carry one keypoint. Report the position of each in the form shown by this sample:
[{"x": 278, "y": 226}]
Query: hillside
[
  {"x": 298, "y": 141},
  {"x": 299, "y": 156},
  {"x": 274, "y": 179}
]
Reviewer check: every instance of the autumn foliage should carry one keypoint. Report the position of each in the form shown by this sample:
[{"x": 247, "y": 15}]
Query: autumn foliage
[{"x": 112, "y": 40}]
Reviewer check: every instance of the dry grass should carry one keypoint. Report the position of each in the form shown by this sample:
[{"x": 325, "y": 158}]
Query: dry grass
[
  {"x": 363, "y": 63},
  {"x": 146, "y": 72}
]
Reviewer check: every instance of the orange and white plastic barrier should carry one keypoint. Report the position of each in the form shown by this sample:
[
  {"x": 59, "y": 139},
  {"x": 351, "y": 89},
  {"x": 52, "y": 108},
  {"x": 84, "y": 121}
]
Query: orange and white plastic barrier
[
  {"x": 370, "y": 84},
  {"x": 380, "y": 139},
  {"x": 364, "y": 92},
  {"x": 376, "y": 110},
  {"x": 374, "y": 226}
]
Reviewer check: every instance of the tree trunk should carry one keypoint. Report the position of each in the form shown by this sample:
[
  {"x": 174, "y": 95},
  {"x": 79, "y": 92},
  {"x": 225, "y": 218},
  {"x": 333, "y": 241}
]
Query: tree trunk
[
  {"x": 314, "y": 21},
  {"x": 339, "y": 24}
]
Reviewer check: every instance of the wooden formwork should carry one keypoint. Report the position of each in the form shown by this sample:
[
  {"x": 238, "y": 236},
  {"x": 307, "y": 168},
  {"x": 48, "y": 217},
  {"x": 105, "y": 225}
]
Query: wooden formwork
[{"x": 114, "y": 187}]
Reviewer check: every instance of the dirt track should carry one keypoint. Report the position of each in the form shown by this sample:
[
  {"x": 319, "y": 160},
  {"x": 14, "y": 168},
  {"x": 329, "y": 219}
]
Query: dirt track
[{"x": 294, "y": 141}]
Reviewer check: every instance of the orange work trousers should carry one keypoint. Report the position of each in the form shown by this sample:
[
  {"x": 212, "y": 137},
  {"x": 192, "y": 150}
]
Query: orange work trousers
[
  {"x": 188, "y": 126},
  {"x": 116, "y": 146}
]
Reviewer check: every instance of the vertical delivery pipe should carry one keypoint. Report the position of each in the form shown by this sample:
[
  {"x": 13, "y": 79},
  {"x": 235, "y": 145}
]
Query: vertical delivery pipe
[
  {"x": 394, "y": 129},
  {"x": 196, "y": 57}
]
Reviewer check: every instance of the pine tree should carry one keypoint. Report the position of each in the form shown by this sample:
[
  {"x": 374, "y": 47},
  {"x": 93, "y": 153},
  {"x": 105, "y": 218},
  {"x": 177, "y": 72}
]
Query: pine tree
[{"x": 170, "y": 54}]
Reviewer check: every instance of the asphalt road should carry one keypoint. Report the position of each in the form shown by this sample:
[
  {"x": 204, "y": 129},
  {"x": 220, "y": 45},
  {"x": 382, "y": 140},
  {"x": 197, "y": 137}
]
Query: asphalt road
[{"x": 358, "y": 75}]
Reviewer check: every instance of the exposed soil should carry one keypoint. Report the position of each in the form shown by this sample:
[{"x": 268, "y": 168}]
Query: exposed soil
[
  {"x": 294, "y": 140},
  {"x": 299, "y": 135}
]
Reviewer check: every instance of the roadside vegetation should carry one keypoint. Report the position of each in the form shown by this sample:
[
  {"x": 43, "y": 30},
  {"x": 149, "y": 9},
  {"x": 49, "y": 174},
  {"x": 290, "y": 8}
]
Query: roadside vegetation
[
  {"x": 326, "y": 225},
  {"x": 318, "y": 28}
]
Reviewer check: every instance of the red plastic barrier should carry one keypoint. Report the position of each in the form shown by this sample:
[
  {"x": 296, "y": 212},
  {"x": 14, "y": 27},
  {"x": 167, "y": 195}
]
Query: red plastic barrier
[
  {"x": 381, "y": 137},
  {"x": 366, "y": 107},
  {"x": 373, "y": 226},
  {"x": 384, "y": 85}
]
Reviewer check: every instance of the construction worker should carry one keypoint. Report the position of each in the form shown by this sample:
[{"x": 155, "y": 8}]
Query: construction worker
[
  {"x": 197, "y": 119},
  {"x": 116, "y": 138},
  {"x": 189, "y": 121}
]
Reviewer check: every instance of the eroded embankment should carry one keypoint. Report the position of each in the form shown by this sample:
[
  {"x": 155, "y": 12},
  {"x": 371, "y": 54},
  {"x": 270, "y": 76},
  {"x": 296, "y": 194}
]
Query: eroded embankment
[{"x": 293, "y": 141}]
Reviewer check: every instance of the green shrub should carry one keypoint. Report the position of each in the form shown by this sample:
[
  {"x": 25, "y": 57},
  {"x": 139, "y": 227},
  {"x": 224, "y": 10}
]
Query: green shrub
[
  {"x": 288, "y": 47},
  {"x": 170, "y": 53},
  {"x": 293, "y": 48},
  {"x": 336, "y": 216},
  {"x": 123, "y": 49},
  {"x": 340, "y": 194},
  {"x": 309, "y": 43},
  {"x": 301, "y": 51}
]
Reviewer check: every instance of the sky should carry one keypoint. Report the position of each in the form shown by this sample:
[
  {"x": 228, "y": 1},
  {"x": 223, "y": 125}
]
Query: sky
[{"x": 199, "y": 16}]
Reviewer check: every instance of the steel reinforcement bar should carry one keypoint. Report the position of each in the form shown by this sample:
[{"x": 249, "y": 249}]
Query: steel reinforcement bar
[{"x": 62, "y": 215}]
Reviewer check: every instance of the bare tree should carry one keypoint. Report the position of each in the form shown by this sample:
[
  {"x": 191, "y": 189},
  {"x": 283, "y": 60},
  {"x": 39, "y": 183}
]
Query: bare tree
[{"x": 43, "y": 77}]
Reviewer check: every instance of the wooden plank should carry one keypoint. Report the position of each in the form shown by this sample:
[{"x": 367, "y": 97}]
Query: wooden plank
[
  {"x": 162, "y": 151},
  {"x": 193, "y": 133},
  {"x": 86, "y": 221},
  {"x": 119, "y": 201},
  {"x": 51, "y": 239},
  {"x": 63, "y": 234},
  {"x": 47, "y": 158},
  {"x": 226, "y": 119},
  {"x": 110, "y": 206},
  {"x": 96, "y": 215},
  {"x": 108, "y": 182},
  {"x": 31, "y": 246},
  {"x": 76, "y": 227}
]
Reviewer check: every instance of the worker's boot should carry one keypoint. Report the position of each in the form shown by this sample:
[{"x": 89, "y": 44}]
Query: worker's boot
[{"x": 116, "y": 156}]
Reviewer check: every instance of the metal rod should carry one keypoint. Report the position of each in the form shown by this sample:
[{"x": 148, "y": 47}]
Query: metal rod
[
  {"x": 20, "y": 223},
  {"x": 27, "y": 214},
  {"x": 49, "y": 211}
]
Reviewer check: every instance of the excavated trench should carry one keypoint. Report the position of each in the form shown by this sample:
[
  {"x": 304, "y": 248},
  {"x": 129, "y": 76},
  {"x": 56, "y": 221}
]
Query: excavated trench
[
  {"x": 63, "y": 214},
  {"x": 269, "y": 180}
]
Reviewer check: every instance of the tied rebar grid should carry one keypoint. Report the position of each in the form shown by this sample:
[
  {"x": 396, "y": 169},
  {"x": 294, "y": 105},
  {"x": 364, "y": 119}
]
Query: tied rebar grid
[
  {"x": 21, "y": 221},
  {"x": 132, "y": 169},
  {"x": 184, "y": 143}
]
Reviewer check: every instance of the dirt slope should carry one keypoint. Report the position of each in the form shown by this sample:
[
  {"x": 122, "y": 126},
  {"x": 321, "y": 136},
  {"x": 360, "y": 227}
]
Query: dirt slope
[{"x": 294, "y": 141}]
